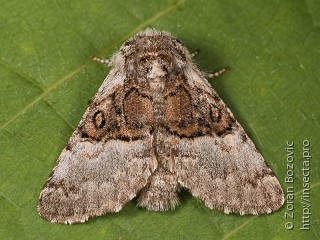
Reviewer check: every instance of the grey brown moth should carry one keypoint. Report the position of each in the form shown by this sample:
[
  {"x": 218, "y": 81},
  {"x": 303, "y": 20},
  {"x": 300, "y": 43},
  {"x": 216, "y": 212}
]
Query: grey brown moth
[{"x": 156, "y": 126}]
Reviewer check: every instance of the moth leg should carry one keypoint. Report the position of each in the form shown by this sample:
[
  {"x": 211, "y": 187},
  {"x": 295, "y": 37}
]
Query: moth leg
[
  {"x": 194, "y": 53},
  {"x": 216, "y": 74},
  {"x": 100, "y": 60}
]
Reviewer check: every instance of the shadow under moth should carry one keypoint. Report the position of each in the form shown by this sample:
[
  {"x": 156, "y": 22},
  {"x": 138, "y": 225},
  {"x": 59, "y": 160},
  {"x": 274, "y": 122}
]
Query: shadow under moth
[{"x": 156, "y": 126}]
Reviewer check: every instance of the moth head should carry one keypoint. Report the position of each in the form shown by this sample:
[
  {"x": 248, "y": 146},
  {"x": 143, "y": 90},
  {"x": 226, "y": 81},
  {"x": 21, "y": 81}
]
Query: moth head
[{"x": 153, "y": 54}]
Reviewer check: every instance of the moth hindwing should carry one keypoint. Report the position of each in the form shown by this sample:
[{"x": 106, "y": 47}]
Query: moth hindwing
[{"x": 156, "y": 126}]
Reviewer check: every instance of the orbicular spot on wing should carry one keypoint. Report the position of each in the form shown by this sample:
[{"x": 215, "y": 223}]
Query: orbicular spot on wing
[{"x": 97, "y": 121}]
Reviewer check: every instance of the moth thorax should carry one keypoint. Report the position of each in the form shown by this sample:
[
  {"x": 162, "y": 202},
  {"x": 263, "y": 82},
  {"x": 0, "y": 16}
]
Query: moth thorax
[{"x": 157, "y": 71}]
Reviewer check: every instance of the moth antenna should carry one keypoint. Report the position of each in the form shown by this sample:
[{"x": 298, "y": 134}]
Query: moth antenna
[
  {"x": 195, "y": 53},
  {"x": 100, "y": 60},
  {"x": 216, "y": 74}
]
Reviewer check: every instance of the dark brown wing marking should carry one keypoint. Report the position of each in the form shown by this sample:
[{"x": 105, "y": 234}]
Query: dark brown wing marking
[
  {"x": 126, "y": 114},
  {"x": 191, "y": 112}
]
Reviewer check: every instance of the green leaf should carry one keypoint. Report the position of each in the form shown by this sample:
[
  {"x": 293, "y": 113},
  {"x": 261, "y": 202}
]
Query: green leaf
[
  {"x": 47, "y": 78},
  {"x": 313, "y": 9}
]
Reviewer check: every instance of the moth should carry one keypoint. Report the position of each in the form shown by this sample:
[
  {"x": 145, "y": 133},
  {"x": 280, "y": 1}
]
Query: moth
[{"x": 154, "y": 127}]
